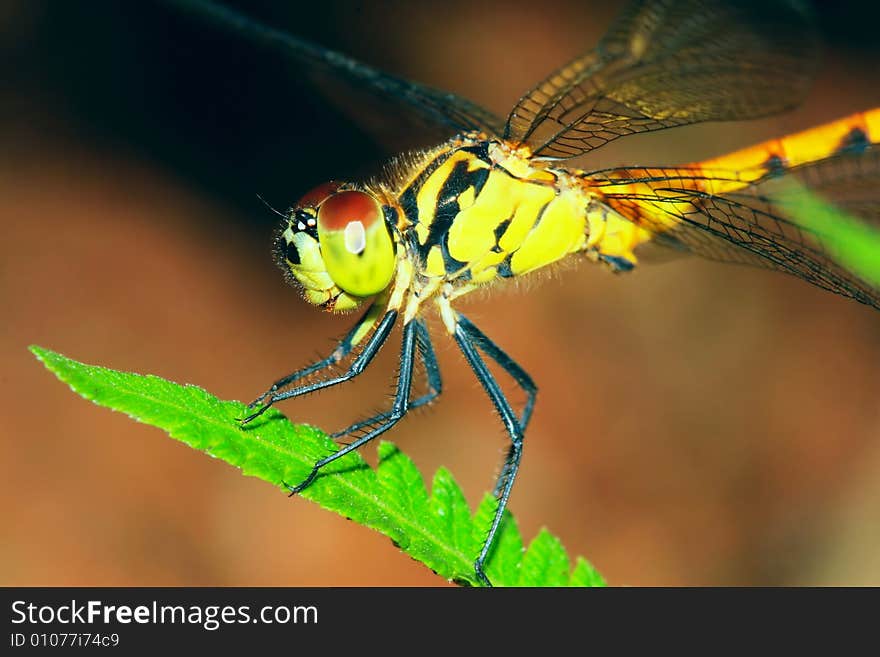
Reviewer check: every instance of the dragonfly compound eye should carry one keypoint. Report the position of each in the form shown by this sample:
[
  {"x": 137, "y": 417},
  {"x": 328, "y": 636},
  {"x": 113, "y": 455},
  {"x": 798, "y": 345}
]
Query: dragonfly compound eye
[
  {"x": 318, "y": 195},
  {"x": 356, "y": 246}
]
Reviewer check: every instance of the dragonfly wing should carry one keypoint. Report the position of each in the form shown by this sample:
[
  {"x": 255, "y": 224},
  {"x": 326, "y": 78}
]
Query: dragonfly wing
[
  {"x": 750, "y": 216},
  {"x": 434, "y": 110},
  {"x": 671, "y": 63}
]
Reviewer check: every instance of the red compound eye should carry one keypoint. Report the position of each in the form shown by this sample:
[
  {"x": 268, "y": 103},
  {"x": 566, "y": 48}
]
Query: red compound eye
[
  {"x": 345, "y": 207},
  {"x": 318, "y": 195}
]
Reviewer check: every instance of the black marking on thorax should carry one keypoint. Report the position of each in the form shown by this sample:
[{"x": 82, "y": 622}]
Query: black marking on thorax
[
  {"x": 389, "y": 213},
  {"x": 504, "y": 270},
  {"x": 499, "y": 231},
  {"x": 618, "y": 264},
  {"x": 447, "y": 208},
  {"x": 408, "y": 199}
]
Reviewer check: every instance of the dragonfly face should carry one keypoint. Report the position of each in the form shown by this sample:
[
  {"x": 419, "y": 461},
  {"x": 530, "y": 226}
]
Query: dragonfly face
[{"x": 338, "y": 246}]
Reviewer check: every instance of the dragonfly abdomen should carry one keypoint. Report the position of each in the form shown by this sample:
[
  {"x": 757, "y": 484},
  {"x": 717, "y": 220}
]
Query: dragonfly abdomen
[{"x": 850, "y": 135}]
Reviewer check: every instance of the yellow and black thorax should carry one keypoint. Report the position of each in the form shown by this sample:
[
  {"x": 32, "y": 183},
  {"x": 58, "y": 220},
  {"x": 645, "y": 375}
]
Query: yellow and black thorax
[{"x": 475, "y": 211}]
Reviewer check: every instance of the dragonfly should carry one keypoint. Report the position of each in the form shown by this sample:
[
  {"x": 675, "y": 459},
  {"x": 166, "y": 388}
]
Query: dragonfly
[{"x": 495, "y": 199}]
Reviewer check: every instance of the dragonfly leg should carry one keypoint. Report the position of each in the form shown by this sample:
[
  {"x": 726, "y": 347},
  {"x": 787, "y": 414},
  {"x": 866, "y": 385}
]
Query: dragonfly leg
[
  {"x": 432, "y": 373},
  {"x": 522, "y": 378},
  {"x": 469, "y": 340},
  {"x": 342, "y": 350},
  {"x": 398, "y": 410},
  {"x": 358, "y": 365}
]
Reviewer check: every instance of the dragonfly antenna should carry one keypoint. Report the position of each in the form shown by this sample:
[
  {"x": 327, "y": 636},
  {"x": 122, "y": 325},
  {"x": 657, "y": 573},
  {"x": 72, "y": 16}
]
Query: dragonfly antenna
[{"x": 266, "y": 203}]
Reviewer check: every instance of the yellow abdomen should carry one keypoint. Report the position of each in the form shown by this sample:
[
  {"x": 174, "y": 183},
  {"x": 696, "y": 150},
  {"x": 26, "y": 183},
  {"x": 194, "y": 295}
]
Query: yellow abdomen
[{"x": 637, "y": 216}]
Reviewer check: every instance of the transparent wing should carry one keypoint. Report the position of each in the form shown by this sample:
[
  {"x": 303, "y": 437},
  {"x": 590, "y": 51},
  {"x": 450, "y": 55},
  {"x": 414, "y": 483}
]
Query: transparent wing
[
  {"x": 438, "y": 111},
  {"x": 668, "y": 63},
  {"x": 752, "y": 223}
]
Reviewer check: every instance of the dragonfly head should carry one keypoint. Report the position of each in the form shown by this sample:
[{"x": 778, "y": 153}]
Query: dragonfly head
[{"x": 337, "y": 245}]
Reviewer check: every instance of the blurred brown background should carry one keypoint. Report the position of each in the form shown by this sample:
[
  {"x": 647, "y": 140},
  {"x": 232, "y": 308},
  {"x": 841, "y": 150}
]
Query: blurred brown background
[{"x": 697, "y": 423}]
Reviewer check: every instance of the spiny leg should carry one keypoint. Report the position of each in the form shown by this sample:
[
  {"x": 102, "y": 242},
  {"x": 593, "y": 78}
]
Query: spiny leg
[
  {"x": 398, "y": 410},
  {"x": 342, "y": 350},
  {"x": 519, "y": 375},
  {"x": 432, "y": 373},
  {"x": 358, "y": 365},
  {"x": 493, "y": 351},
  {"x": 468, "y": 345}
]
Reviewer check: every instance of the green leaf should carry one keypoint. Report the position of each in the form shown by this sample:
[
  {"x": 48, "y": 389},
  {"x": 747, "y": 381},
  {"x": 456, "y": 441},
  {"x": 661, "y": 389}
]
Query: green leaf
[
  {"x": 452, "y": 516},
  {"x": 437, "y": 530},
  {"x": 852, "y": 242},
  {"x": 545, "y": 562},
  {"x": 585, "y": 575}
]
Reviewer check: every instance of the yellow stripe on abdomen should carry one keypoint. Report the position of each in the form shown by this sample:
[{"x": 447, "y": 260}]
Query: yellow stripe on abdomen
[
  {"x": 751, "y": 164},
  {"x": 620, "y": 224}
]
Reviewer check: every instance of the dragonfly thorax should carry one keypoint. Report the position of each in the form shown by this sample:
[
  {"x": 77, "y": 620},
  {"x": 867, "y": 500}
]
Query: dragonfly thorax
[
  {"x": 478, "y": 210},
  {"x": 337, "y": 245}
]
